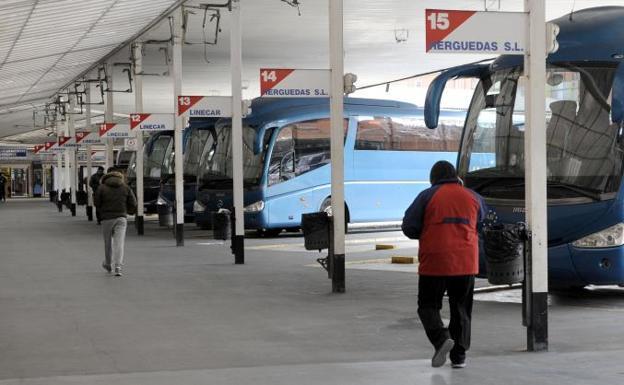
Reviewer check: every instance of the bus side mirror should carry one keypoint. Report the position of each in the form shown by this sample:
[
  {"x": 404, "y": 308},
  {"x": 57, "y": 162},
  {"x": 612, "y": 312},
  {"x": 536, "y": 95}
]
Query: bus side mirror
[
  {"x": 436, "y": 89},
  {"x": 617, "y": 100}
]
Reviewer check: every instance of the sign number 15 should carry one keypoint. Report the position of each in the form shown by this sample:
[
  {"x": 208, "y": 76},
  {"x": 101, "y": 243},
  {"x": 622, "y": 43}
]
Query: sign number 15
[{"x": 438, "y": 20}]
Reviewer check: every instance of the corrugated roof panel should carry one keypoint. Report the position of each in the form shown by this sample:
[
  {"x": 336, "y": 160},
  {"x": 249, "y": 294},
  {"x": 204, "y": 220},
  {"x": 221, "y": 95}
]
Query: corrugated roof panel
[
  {"x": 57, "y": 26},
  {"x": 44, "y": 44},
  {"x": 10, "y": 26},
  {"x": 84, "y": 57}
]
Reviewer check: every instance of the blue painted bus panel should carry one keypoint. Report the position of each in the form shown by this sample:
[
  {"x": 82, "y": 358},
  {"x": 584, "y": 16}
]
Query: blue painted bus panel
[
  {"x": 603, "y": 266},
  {"x": 589, "y": 37},
  {"x": 379, "y": 185}
]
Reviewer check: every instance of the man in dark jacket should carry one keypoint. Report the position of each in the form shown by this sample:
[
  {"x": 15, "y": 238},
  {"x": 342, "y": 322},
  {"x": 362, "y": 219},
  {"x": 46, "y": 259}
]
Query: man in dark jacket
[
  {"x": 3, "y": 181},
  {"x": 445, "y": 218},
  {"x": 114, "y": 199},
  {"x": 94, "y": 183}
]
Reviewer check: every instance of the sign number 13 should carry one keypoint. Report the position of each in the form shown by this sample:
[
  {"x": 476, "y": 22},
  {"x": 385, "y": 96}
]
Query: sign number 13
[
  {"x": 184, "y": 101},
  {"x": 438, "y": 20},
  {"x": 268, "y": 76}
]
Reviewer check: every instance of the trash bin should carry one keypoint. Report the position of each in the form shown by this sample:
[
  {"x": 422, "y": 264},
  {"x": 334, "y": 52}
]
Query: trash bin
[
  {"x": 315, "y": 227},
  {"x": 165, "y": 215},
  {"x": 81, "y": 197},
  {"x": 65, "y": 198},
  {"x": 221, "y": 224},
  {"x": 504, "y": 253}
]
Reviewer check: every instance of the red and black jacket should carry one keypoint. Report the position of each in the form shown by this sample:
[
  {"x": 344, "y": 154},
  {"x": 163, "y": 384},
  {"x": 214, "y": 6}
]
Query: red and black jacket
[{"x": 446, "y": 218}]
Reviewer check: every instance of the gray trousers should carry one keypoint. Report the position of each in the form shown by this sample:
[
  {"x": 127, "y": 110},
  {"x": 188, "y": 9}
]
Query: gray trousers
[{"x": 114, "y": 231}]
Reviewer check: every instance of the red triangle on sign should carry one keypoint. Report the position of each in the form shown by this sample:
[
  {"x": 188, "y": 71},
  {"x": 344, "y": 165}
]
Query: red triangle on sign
[
  {"x": 49, "y": 145},
  {"x": 136, "y": 119},
  {"x": 105, "y": 127},
  {"x": 186, "y": 102},
  {"x": 80, "y": 136},
  {"x": 439, "y": 23},
  {"x": 63, "y": 139},
  {"x": 270, "y": 77}
]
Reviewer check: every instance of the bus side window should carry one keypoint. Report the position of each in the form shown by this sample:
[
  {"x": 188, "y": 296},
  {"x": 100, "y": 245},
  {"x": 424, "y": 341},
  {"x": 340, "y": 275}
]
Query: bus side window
[{"x": 406, "y": 134}]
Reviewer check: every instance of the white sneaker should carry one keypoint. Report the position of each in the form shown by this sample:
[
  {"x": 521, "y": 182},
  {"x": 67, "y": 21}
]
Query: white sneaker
[
  {"x": 458, "y": 365},
  {"x": 118, "y": 271}
]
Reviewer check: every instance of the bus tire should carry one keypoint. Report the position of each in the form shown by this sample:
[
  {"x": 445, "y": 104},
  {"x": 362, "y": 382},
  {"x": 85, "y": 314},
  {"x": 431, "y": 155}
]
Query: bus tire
[
  {"x": 268, "y": 233},
  {"x": 326, "y": 206}
]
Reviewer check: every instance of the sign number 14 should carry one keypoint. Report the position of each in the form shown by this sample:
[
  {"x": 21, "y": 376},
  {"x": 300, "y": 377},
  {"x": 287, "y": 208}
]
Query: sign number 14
[
  {"x": 438, "y": 20},
  {"x": 268, "y": 76}
]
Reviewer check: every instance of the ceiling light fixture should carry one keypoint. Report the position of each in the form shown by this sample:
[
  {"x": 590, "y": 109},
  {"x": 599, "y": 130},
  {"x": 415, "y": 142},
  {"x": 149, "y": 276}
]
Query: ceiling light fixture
[
  {"x": 401, "y": 35},
  {"x": 295, "y": 4}
]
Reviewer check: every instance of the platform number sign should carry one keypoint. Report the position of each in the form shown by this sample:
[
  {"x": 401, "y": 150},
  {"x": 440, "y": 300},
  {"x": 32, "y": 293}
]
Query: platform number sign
[
  {"x": 290, "y": 82},
  {"x": 438, "y": 20},
  {"x": 269, "y": 76},
  {"x": 205, "y": 106},
  {"x": 461, "y": 31},
  {"x": 184, "y": 101}
]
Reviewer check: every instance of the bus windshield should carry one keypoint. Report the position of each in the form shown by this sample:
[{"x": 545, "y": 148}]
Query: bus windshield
[
  {"x": 161, "y": 149},
  {"x": 132, "y": 166},
  {"x": 193, "y": 153},
  {"x": 215, "y": 168},
  {"x": 584, "y": 149}
]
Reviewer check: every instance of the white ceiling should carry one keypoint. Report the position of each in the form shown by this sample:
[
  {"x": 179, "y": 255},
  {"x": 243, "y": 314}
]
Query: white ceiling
[{"x": 273, "y": 36}]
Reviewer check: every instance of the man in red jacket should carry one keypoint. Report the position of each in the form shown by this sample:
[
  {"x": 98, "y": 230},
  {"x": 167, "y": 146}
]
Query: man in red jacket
[{"x": 445, "y": 218}]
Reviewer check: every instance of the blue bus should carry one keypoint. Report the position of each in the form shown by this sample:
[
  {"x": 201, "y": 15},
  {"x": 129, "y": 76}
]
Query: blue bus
[
  {"x": 195, "y": 135},
  {"x": 157, "y": 151},
  {"x": 585, "y": 144},
  {"x": 388, "y": 155}
]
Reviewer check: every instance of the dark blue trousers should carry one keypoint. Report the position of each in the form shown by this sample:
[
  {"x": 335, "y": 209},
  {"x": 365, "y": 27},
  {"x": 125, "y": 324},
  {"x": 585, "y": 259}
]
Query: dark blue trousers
[{"x": 460, "y": 289}]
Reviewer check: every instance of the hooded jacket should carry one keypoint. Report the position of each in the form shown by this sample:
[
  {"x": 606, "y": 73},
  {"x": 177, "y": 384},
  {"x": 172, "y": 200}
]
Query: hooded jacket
[
  {"x": 445, "y": 218},
  {"x": 113, "y": 198}
]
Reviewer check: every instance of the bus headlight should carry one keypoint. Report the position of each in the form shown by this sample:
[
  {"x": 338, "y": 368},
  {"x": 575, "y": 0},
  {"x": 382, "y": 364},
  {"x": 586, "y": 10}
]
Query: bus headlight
[
  {"x": 610, "y": 237},
  {"x": 198, "y": 207},
  {"x": 161, "y": 201},
  {"x": 255, "y": 207}
]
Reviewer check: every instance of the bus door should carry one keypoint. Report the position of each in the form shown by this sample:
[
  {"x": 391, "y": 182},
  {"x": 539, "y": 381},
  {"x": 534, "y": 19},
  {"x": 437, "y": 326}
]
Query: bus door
[{"x": 299, "y": 174}]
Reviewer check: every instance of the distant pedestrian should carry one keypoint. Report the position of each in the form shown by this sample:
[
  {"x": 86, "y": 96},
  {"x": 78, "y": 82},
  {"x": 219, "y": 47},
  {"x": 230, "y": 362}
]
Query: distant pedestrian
[
  {"x": 445, "y": 218},
  {"x": 3, "y": 181},
  {"x": 114, "y": 199},
  {"x": 94, "y": 183}
]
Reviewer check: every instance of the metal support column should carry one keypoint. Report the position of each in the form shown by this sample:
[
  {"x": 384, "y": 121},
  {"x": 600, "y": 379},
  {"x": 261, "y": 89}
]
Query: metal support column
[
  {"x": 337, "y": 143},
  {"x": 89, "y": 149},
  {"x": 236, "y": 58},
  {"x": 73, "y": 161},
  {"x": 535, "y": 190},
  {"x": 66, "y": 158},
  {"x": 177, "y": 138},
  {"x": 138, "y": 106},
  {"x": 108, "y": 115},
  {"x": 59, "y": 171}
]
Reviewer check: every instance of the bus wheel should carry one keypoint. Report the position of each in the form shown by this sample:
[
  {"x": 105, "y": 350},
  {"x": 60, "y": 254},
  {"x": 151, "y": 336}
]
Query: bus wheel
[
  {"x": 326, "y": 207},
  {"x": 268, "y": 233}
]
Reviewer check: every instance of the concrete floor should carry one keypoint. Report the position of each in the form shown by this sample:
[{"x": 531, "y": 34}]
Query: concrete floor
[{"x": 188, "y": 315}]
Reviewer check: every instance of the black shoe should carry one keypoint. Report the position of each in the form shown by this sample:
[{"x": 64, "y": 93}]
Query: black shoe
[
  {"x": 439, "y": 357},
  {"x": 107, "y": 267},
  {"x": 459, "y": 364}
]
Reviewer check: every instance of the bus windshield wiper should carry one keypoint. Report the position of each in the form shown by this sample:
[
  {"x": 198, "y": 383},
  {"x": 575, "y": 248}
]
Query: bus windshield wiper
[
  {"x": 585, "y": 191},
  {"x": 488, "y": 182}
]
